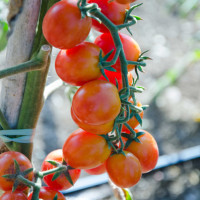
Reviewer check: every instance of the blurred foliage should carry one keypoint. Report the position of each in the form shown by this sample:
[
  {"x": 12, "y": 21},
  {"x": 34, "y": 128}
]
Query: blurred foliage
[
  {"x": 3, "y": 34},
  {"x": 184, "y": 8}
]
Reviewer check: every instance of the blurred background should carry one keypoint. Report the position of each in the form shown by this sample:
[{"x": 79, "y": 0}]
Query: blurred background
[{"x": 170, "y": 30}]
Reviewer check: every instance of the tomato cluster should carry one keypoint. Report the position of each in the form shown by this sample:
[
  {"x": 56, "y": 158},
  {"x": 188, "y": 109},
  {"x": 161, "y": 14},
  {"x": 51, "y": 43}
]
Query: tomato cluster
[{"x": 100, "y": 106}]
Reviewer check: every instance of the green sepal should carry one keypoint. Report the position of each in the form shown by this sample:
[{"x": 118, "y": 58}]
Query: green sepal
[
  {"x": 103, "y": 73},
  {"x": 139, "y": 119},
  {"x": 56, "y": 175},
  {"x": 110, "y": 69},
  {"x": 126, "y": 135},
  {"x": 108, "y": 54},
  {"x": 15, "y": 185},
  {"x": 27, "y": 171},
  {"x": 144, "y": 58},
  {"x": 9, "y": 176},
  {"x": 144, "y": 107},
  {"x": 137, "y": 17},
  {"x": 116, "y": 83},
  {"x": 127, "y": 193},
  {"x": 67, "y": 175},
  {"x": 140, "y": 69},
  {"x": 128, "y": 142},
  {"x": 17, "y": 168},
  {"x": 53, "y": 162},
  {"x": 143, "y": 53},
  {"x": 56, "y": 197},
  {"x": 137, "y": 140},
  {"x": 140, "y": 133}
]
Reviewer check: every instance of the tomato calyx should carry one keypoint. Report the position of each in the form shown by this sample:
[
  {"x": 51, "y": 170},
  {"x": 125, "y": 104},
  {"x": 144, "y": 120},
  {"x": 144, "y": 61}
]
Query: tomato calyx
[
  {"x": 19, "y": 176},
  {"x": 61, "y": 168}
]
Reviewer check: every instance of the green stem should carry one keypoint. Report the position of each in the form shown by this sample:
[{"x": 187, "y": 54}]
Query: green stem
[{"x": 3, "y": 121}]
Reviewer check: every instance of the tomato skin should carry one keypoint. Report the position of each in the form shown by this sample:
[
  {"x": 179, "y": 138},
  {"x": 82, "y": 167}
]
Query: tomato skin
[
  {"x": 9, "y": 195},
  {"x": 7, "y": 167},
  {"x": 114, "y": 11},
  {"x": 61, "y": 183},
  {"x": 102, "y": 129},
  {"x": 96, "y": 102},
  {"x": 133, "y": 122},
  {"x": 131, "y": 48},
  {"x": 147, "y": 151},
  {"x": 124, "y": 171},
  {"x": 47, "y": 193},
  {"x": 78, "y": 65},
  {"x": 63, "y": 26},
  {"x": 85, "y": 150},
  {"x": 124, "y": 1},
  {"x": 97, "y": 170},
  {"x": 112, "y": 76}
]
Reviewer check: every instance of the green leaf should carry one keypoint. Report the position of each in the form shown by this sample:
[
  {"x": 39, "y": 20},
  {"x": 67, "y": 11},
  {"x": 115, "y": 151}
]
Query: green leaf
[
  {"x": 137, "y": 17},
  {"x": 3, "y": 34},
  {"x": 127, "y": 193}
]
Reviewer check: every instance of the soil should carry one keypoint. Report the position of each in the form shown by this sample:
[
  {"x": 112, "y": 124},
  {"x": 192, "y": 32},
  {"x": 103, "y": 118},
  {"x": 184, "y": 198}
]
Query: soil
[{"x": 172, "y": 118}]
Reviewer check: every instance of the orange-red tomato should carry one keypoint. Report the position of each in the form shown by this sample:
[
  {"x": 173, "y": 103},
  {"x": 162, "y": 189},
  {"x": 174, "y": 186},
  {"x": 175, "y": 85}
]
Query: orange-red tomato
[
  {"x": 97, "y": 170},
  {"x": 9, "y": 195},
  {"x": 131, "y": 48},
  {"x": 124, "y": 1},
  {"x": 8, "y": 167},
  {"x": 79, "y": 65},
  {"x": 96, "y": 102},
  {"x": 147, "y": 151},
  {"x": 133, "y": 122},
  {"x": 114, "y": 11},
  {"x": 61, "y": 183},
  {"x": 85, "y": 150},
  {"x": 112, "y": 76},
  {"x": 96, "y": 129},
  {"x": 124, "y": 170},
  {"x": 63, "y": 26},
  {"x": 47, "y": 193}
]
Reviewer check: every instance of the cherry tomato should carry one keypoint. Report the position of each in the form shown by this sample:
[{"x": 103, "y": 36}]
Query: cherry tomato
[
  {"x": 97, "y": 170},
  {"x": 133, "y": 122},
  {"x": 147, "y": 151},
  {"x": 61, "y": 183},
  {"x": 47, "y": 193},
  {"x": 79, "y": 65},
  {"x": 131, "y": 48},
  {"x": 124, "y": 1},
  {"x": 96, "y": 102},
  {"x": 8, "y": 167},
  {"x": 112, "y": 76},
  {"x": 9, "y": 195},
  {"x": 124, "y": 170},
  {"x": 96, "y": 129},
  {"x": 85, "y": 150},
  {"x": 114, "y": 11},
  {"x": 63, "y": 26}
]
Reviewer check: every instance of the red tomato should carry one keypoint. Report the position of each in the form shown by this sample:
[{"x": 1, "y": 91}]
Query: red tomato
[
  {"x": 114, "y": 11},
  {"x": 96, "y": 129},
  {"x": 131, "y": 48},
  {"x": 133, "y": 122},
  {"x": 63, "y": 26},
  {"x": 96, "y": 103},
  {"x": 9, "y": 195},
  {"x": 85, "y": 150},
  {"x": 47, "y": 193},
  {"x": 79, "y": 65},
  {"x": 97, "y": 170},
  {"x": 146, "y": 151},
  {"x": 7, "y": 167},
  {"x": 112, "y": 76},
  {"x": 124, "y": 171},
  {"x": 61, "y": 183},
  {"x": 124, "y": 1}
]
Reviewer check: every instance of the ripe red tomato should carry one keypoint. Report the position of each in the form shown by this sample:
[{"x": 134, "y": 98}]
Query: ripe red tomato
[
  {"x": 133, "y": 122},
  {"x": 114, "y": 11},
  {"x": 124, "y": 1},
  {"x": 63, "y": 26},
  {"x": 97, "y": 170},
  {"x": 131, "y": 48},
  {"x": 147, "y": 151},
  {"x": 96, "y": 102},
  {"x": 47, "y": 193},
  {"x": 85, "y": 150},
  {"x": 79, "y": 65},
  {"x": 9, "y": 195},
  {"x": 8, "y": 167},
  {"x": 112, "y": 76},
  {"x": 96, "y": 129},
  {"x": 124, "y": 171},
  {"x": 61, "y": 183}
]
